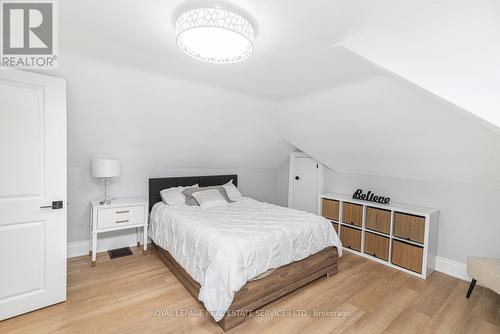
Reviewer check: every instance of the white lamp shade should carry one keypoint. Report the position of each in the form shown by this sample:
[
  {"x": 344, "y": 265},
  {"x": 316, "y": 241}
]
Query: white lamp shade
[{"x": 105, "y": 167}]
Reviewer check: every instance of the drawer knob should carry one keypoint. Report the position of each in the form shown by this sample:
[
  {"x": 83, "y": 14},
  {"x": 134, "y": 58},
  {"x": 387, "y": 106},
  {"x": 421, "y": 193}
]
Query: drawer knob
[
  {"x": 122, "y": 221},
  {"x": 123, "y": 211}
]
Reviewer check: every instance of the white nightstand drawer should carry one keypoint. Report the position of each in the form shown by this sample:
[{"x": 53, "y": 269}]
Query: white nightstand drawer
[{"x": 114, "y": 217}]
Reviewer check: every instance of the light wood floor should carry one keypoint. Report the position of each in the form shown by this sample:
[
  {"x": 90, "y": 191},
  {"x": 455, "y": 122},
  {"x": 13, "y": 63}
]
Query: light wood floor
[{"x": 117, "y": 296}]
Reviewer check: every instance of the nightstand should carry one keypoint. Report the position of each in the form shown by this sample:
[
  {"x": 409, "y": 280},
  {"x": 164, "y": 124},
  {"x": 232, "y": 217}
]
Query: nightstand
[{"x": 121, "y": 214}]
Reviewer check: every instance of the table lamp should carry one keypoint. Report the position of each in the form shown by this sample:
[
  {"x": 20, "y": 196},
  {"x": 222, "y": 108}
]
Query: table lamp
[{"x": 105, "y": 168}]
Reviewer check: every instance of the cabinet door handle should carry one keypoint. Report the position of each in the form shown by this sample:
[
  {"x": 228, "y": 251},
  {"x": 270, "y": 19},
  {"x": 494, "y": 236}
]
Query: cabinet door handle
[
  {"x": 123, "y": 211},
  {"x": 122, "y": 221}
]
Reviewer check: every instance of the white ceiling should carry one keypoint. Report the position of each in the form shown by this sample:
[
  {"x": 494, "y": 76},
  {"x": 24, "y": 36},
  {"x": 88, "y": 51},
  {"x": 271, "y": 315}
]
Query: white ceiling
[
  {"x": 292, "y": 55},
  {"x": 449, "y": 47}
]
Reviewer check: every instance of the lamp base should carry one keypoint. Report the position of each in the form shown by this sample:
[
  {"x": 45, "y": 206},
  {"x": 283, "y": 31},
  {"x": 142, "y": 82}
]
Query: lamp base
[{"x": 105, "y": 192}]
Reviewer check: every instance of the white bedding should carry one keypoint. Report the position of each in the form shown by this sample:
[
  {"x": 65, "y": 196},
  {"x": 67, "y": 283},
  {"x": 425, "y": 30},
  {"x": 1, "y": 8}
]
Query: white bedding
[{"x": 224, "y": 247}]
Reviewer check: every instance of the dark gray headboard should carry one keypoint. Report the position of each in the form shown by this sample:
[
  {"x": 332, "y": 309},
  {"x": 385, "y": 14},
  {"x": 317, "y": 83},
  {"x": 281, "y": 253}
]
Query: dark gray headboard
[{"x": 158, "y": 184}]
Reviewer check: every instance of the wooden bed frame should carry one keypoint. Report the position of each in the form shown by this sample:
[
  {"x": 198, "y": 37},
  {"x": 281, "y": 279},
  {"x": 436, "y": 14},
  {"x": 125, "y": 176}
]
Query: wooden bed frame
[{"x": 257, "y": 293}]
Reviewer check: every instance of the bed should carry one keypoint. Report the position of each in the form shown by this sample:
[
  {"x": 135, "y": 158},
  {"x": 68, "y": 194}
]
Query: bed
[{"x": 238, "y": 258}]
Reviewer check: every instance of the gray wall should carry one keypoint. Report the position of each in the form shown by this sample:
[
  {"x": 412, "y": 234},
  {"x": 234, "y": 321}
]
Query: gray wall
[
  {"x": 259, "y": 183},
  {"x": 160, "y": 126}
]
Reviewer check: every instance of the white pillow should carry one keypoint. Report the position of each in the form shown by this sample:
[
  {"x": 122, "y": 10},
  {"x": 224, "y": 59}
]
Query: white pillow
[
  {"x": 174, "y": 195},
  {"x": 209, "y": 198},
  {"x": 232, "y": 192}
]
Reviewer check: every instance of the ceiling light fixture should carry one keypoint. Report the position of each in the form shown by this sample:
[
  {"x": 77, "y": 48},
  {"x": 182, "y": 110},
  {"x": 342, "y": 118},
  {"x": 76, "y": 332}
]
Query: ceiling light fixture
[{"x": 215, "y": 35}]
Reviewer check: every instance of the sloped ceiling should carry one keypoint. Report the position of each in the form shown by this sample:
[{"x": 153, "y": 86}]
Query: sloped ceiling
[
  {"x": 451, "y": 48},
  {"x": 385, "y": 125}
]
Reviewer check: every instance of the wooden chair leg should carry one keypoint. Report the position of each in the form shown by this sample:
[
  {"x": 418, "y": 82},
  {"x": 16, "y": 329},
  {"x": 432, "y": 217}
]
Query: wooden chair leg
[{"x": 471, "y": 287}]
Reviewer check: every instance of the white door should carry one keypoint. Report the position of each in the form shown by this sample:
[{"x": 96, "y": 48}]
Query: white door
[
  {"x": 304, "y": 179},
  {"x": 32, "y": 175}
]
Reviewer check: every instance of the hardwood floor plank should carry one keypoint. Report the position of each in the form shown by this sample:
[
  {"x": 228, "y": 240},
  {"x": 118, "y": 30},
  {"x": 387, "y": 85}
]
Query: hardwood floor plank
[
  {"x": 455, "y": 313},
  {"x": 382, "y": 315},
  {"x": 410, "y": 321},
  {"x": 481, "y": 326},
  {"x": 486, "y": 305},
  {"x": 377, "y": 290},
  {"x": 438, "y": 288},
  {"x": 128, "y": 295}
]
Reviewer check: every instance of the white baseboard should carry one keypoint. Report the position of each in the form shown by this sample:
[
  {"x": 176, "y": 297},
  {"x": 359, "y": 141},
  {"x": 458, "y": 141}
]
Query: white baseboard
[
  {"x": 80, "y": 248},
  {"x": 105, "y": 243},
  {"x": 452, "y": 268}
]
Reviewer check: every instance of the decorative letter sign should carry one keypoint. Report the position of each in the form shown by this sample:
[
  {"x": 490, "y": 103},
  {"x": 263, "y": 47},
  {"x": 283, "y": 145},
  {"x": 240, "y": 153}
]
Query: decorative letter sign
[{"x": 370, "y": 197}]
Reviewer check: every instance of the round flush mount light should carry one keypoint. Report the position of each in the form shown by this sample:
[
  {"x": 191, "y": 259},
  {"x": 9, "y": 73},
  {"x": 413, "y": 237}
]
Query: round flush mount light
[{"x": 215, "y": 35}]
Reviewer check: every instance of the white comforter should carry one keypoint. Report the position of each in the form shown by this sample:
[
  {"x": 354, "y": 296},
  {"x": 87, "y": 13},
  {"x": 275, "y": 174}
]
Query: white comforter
[{"x": 222, "y": 248}]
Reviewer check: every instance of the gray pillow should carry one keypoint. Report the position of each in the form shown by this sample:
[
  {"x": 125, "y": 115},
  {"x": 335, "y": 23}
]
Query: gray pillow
[{"x": 191, "y": 201}]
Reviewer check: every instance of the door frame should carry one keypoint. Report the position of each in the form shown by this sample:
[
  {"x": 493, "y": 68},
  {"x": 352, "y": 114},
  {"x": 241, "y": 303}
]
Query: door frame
[{"x": 319, "y": 178}]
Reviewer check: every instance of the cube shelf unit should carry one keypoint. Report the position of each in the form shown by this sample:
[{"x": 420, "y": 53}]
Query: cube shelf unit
[{"x": 398, "y": 235}]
